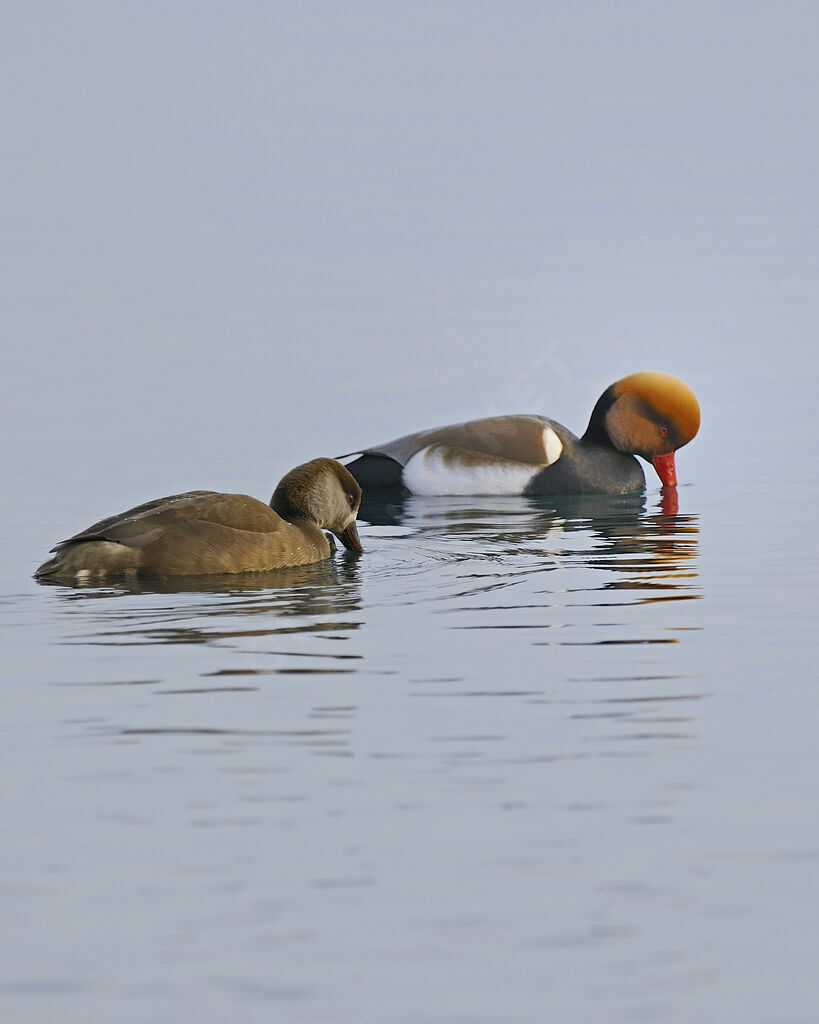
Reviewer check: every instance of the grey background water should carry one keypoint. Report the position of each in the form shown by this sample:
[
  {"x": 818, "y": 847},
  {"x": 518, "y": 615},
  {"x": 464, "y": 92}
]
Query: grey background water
[{"x": 517, "y": 762}]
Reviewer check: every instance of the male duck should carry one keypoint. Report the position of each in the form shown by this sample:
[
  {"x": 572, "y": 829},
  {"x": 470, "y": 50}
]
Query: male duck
[
  {"x": 202, "y": 532},
  {"x": 649, "y": 414}
]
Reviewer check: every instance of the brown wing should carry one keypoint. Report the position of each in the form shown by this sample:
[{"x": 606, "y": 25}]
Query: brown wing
[
  {"x": 137, "y": 525},
  {"x": 514, "y": 438},
  {"x": 202, "y": 547},
  {"x": 197, "y": 533}
]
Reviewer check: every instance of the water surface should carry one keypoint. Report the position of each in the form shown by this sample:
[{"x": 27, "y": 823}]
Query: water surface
[{"x": 513, "y": 754}]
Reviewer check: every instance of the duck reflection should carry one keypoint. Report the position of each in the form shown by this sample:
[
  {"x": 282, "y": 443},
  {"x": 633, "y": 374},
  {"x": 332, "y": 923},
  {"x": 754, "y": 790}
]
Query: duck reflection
[
  {"x": 323, "y": 597},
  {"x": 645, "y": 543}
]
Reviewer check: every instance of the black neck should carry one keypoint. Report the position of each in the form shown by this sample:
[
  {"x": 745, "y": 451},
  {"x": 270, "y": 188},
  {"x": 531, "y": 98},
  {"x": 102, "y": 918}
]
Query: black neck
[{"x": 596, "y": 432}]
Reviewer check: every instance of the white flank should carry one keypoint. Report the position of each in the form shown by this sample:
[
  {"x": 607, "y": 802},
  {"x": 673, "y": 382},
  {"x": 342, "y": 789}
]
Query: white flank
[
  {"x": 552, "y": 445},
  {"x": 428, "y": 473}
]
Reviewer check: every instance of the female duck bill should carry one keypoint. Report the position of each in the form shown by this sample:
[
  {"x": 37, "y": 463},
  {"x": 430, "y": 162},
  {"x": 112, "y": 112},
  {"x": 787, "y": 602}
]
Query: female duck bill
[{"x": 350, "y": 539}]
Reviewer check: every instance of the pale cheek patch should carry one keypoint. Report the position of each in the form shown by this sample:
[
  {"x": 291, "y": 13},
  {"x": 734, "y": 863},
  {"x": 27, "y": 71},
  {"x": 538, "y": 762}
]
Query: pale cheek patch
[
  {"x": 431, "y": 473},
  {"x": 552, "y": 446}
]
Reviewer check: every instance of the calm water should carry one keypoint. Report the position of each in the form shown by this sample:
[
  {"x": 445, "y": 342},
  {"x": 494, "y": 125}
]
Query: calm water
[
  {"x": 511, "y": 757},
  {"x": 519, "y": 761}
]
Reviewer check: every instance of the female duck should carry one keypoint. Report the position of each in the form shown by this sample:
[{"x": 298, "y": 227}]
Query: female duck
[
  {"x": 648, "y": 414},
  {"x": 203, "y": 532}
]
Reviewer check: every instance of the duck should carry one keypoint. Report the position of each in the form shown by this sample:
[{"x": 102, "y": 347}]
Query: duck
[
  {"x": 202, "y": 533},
  {"x": 648, "y": 413}
]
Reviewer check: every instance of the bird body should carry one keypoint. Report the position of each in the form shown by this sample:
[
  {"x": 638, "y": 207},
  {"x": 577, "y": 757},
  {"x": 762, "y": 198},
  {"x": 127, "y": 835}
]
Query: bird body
[
  {"x": 206, "y": 532},
  {"x": 648, "y": 414}
]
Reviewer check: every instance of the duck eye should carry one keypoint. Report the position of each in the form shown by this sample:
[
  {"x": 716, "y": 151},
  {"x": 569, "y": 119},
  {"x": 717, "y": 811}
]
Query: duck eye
[{"x": 664, "y": 431}]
